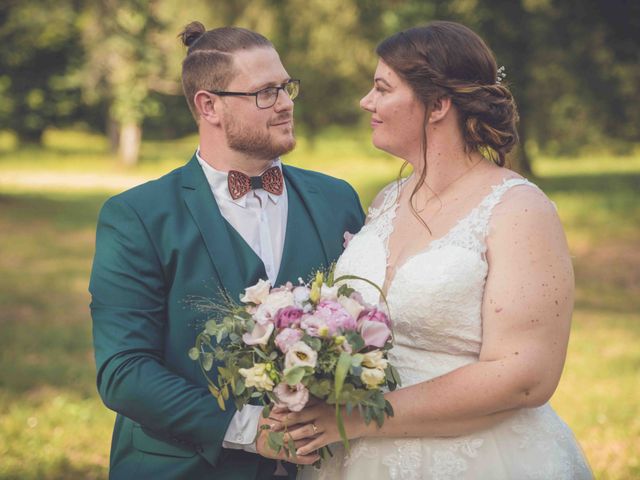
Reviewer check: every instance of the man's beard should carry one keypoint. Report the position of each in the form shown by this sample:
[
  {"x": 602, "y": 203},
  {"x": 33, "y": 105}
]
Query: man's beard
[{"x": 256, "y": 143}]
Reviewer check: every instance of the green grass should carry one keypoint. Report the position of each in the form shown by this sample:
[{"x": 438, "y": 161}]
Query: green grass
[{"x": 52, "y": 423}]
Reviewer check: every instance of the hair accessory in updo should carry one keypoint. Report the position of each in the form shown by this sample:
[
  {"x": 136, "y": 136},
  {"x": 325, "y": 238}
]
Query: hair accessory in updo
[{"x": 501, "y": 75}]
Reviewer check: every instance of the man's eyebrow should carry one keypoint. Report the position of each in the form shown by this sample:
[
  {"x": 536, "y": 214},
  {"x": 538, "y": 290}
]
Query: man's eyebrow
[{"x": 381, "y": 80}]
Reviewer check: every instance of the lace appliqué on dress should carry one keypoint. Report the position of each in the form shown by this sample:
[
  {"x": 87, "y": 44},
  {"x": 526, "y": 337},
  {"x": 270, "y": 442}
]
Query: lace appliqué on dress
[
  {"x": 471, "y": 231},
  {"x": 380, "y": 219},
  {"x": 449, "y": 462},
  {"x": 406, "y": 462},
  {"x": 547, "y": 438}
]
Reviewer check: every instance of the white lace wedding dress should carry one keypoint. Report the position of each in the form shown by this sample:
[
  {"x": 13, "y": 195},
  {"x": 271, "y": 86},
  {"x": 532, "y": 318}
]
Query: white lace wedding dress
[{"x": 435, "y": 300}]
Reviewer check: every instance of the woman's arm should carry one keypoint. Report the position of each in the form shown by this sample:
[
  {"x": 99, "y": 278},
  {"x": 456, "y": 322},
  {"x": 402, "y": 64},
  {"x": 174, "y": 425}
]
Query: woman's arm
[{"x": 526, "y": 315}]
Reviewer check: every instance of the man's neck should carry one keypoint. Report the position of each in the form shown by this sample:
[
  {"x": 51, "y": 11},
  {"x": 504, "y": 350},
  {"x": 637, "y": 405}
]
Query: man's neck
[{"x": 226, "y": 159}]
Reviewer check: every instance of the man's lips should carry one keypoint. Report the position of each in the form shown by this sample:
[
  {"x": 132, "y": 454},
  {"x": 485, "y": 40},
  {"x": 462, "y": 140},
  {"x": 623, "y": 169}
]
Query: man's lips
[{"x": 375, "y": 122}]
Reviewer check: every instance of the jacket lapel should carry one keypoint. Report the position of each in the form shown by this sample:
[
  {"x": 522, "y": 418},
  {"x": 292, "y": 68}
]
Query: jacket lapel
[
  {"x": 311, "y": 207},
  {"x": 212, "y": 225}
]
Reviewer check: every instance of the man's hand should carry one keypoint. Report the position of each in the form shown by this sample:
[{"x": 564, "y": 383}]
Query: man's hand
[{"x": 262, "y": 445}]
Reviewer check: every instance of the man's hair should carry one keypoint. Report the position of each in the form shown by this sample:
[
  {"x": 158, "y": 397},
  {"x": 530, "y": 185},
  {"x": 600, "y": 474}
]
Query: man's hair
[{"x": 209, "y": 61}]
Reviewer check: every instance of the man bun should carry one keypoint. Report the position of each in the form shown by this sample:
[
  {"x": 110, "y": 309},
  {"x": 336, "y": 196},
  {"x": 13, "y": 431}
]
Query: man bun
[{"x": 191, "y": 33}]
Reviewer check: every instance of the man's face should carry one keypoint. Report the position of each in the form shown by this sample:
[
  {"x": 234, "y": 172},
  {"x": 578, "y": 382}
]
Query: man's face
[{"x": 262, "y": 133}]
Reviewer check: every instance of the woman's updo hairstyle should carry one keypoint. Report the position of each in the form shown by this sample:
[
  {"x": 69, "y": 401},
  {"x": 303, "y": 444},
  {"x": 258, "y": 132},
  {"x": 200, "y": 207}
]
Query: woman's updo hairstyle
[{"x": 449, "y": 59}]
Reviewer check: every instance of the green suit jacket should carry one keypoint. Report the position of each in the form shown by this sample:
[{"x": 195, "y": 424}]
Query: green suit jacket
[{"x": 157, "y": 245}]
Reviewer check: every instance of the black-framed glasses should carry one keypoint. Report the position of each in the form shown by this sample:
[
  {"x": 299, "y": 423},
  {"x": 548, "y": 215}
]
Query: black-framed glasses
[{"x": 267, "y": 97}]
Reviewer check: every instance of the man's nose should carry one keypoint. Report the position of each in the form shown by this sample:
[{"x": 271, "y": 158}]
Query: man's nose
[{"x": 283, "y": 101}]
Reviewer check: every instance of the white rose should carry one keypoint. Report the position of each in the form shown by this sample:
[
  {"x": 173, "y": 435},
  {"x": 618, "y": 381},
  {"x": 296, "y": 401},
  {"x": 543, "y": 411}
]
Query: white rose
[
  {"x": 372, "y": 377},
  {"x": 300, "y": 354},
  {"x": 257, "y": 376},
  {"x": 300, "y": 296},
  {"x": 271, "y": 304},
  {"x": 259, "y": 335},
  {"x": 374, "y": 359},
  {"x": 256, "y": 294},
  {"x": 329, "y": 293},
  {"x": 352, "y": 307}
]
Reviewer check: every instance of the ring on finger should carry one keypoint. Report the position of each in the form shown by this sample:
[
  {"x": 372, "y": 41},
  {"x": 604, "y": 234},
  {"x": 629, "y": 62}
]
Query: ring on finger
[{"x": 315, "y": 428}]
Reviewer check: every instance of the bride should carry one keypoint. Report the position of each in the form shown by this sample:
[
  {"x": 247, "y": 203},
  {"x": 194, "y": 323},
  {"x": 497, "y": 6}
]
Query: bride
[{"x": 477, "y": 275}]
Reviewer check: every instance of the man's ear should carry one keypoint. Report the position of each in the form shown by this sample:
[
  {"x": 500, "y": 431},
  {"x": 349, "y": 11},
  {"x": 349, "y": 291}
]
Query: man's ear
[
  {"x": 439, "y": 109},
  {"x": 208, "y": 107}
]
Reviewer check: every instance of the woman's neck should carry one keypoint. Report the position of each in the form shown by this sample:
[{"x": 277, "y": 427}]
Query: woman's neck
[{"x": 445, "y": 165}]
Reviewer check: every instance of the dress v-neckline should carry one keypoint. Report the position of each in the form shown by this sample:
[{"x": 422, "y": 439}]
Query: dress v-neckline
[{"x": 426, "y": 249}]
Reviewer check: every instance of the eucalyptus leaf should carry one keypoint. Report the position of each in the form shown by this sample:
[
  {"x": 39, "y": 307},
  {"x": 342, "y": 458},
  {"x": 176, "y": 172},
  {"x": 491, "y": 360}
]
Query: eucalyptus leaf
[
  {"x": 240, "y": 387},
  {"x": 275, "y": 441},
  {"x": 207, "y": 361},
  {"x": 211, "y": 327},
  {"x": 345, "y": 290},
  {"x": 221, "y": 403},
  {"x": 293, "y": 375},
  {"x": 261, "y": 354},
  {"x": 356, "y": 360},
  {"x": 292, "y": 448}
]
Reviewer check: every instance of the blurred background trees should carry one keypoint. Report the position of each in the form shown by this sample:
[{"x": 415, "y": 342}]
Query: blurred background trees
[{"x": 113, "y": 66}]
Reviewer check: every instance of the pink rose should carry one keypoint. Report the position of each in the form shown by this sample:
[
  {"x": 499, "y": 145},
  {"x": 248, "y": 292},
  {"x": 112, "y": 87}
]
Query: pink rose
[
  {"x": 288, "y": 317},
  {"x": 287, "y": 337},
  {"x": 292, "y": 397},
  {"x": 375, "y": 315},
  {"x": 336, "y": 316},
  {"x": 374, "y": 334}
]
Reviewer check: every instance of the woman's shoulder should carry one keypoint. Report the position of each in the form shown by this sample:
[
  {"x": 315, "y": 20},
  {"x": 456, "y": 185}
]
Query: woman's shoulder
[{"x": 522, "y": 207}]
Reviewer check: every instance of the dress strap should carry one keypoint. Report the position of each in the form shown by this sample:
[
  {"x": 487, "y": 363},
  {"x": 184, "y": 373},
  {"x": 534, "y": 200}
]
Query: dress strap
[
  {"x": 382, "y": 212},
  {"x": 471, "y": 231},
  {"x": 485, "y": 209}
]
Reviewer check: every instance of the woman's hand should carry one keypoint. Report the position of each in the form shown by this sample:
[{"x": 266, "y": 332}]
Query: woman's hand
[{"x": 318, "y": 426}]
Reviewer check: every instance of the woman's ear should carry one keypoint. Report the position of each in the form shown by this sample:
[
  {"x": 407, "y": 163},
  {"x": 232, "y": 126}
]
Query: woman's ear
[
  {"x": 439, "y": 109},
  {"x": 208, "y": 106}
]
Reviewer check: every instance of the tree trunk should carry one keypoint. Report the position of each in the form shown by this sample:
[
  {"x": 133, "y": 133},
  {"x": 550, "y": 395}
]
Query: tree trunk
[
  {"x": 523, "y": 162},
  {"x": 129, "y": 145},
  {"x": 113, "y": 134},
  {"x": 30, "y": 136}
]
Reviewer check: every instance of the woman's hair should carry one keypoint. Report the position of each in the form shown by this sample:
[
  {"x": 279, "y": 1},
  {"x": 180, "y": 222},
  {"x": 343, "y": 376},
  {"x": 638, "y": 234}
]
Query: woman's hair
[
  {"x": 209, "y": 61},
  {"x": 447, "y": 59}
]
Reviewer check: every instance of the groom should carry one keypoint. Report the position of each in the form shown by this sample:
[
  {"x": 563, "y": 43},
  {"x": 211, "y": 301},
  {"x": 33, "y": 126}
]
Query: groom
[{"x": 232, "y": 215}]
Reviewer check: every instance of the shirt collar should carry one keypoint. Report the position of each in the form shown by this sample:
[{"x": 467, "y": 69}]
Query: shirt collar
[{"x": 218, "y": 182}]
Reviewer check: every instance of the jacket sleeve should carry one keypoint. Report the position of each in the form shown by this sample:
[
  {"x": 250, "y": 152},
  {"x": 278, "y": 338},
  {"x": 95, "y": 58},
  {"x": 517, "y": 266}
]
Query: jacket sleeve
[
  {"x": 356, "y": 219},
  {"x": 129, "y": 318}
]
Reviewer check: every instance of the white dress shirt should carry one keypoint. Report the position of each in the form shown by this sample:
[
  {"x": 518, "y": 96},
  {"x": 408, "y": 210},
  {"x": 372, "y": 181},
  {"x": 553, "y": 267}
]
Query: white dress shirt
[{"x": 260, "y": 218}]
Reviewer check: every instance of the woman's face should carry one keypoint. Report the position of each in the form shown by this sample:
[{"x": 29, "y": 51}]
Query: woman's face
[{"x": 397, "y": 116}]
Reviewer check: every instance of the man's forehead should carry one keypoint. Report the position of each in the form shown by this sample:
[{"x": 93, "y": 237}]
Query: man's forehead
[{"x": 258, "y": 66}]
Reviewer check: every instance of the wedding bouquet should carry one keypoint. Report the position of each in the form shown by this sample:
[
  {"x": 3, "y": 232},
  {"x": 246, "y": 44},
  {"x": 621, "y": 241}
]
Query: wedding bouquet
[{"x": 282, "y": 346}]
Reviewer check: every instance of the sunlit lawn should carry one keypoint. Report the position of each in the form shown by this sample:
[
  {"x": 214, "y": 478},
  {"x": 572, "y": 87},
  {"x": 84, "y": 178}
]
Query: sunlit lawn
[{"x": 53, "y": 425}]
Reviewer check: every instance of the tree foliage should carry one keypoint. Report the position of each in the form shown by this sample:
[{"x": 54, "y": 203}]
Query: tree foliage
[{"x": 574, "y": 66}]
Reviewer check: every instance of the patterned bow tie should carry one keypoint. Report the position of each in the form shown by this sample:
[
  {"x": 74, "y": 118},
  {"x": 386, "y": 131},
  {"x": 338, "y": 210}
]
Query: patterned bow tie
[{"x": 240, "y": 184}]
